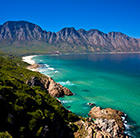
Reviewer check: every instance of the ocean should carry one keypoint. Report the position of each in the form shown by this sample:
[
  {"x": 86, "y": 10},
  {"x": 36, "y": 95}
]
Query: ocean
[{"x": 105, "y": 80}]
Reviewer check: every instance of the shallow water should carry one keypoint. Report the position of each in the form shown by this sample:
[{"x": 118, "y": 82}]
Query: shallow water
[{"x": 106, "y": 80}]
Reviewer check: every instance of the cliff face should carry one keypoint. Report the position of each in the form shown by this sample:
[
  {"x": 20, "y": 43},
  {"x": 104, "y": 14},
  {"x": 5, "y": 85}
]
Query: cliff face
[
  {"x": 69, "y": 38},
  {"x": 48, "y": 84}
]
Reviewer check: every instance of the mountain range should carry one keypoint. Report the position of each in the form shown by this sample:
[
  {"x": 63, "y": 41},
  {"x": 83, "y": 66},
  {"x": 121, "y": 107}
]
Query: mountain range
[{"x": 23, "y": 36}]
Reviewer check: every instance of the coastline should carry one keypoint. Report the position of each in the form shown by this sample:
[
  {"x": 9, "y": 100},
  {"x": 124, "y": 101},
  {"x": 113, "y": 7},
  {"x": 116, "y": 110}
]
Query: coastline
[
  {"x": 28, "y": 59},
  {"x": 54, "y": 89},
  {"x": 94, "y": 53},
  {"x": 34, "y": 67}
]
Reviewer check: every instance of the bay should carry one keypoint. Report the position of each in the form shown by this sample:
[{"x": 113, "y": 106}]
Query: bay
[{"x": 106, "y": 80}]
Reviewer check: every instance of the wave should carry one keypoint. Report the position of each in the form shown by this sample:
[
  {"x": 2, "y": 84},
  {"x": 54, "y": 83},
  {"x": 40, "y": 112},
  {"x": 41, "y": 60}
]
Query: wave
[
  {"x": 46, "y": 65},
  {"x": 126, "y": 125},
  {"x": 125, "y": 122},
  {"x": 66, "y": 83},
  {"x": 50, "y": 68},
  {"x": 66, "y": 101},
  {"x": 42, "y": 69},
  {"x": 47, "y": 70},
  {"x": 56, "y": 71}
]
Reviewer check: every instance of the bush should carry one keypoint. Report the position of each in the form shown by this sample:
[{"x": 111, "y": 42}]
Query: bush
[{"x": 29, "y": 109}]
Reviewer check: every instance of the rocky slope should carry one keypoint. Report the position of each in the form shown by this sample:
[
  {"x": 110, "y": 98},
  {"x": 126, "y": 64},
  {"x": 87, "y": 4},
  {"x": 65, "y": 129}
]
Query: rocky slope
[
  {"x": 48, "y": 84},
  {"x": 107, "y": 123},
  {"x": 100, "y": 128},
  {"x": 21, "y": 33},
  {"x": 108, "y": 113},
  {"x": 27, "y": 109}
]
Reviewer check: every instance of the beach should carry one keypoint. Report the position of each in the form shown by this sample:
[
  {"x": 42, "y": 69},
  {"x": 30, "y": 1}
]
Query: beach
[
  {"x": 28, "y": 59},
  {"x": 33, "y": 66}
]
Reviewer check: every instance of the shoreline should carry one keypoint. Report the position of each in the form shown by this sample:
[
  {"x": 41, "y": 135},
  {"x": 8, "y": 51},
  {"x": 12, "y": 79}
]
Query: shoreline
[
  {"x": 28, "y": 59},
  {"x": 32, "y": 64},
  {"x": 94, "y": 53},
  {"x": 34, "y": 67}
]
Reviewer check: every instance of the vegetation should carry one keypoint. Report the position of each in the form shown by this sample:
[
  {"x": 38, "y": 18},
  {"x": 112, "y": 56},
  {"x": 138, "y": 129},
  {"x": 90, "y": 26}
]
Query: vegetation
[
  {"x": 40, "y": 47},
  {"x": 26, "y": 111}
]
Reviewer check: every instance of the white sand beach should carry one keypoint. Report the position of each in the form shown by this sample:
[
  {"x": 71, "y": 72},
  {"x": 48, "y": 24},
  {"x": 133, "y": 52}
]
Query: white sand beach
[{"x": 28, "y": 59}]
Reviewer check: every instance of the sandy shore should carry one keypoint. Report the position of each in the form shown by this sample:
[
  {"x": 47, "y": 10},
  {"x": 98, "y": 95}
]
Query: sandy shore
[
  {"x": 28, "y": 59},
  {"x": 33, "y": 66}
]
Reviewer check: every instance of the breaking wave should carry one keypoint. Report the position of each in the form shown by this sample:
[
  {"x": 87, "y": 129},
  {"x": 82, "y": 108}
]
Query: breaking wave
[{"x": 66, "y": 83}]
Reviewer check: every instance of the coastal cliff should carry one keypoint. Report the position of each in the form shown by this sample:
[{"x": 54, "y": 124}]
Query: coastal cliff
[
  {"x": 45, "y": 82},
  {"x": 48, "y": 84},
  {"x": 30, "y": 109}
]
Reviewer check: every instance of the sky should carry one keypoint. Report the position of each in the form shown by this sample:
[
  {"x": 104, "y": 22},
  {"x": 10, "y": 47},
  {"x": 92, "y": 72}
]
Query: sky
[{"x": 53, "y": 15}]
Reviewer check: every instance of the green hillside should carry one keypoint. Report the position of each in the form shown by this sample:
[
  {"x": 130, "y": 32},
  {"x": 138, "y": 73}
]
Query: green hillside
[{"x": 29, "y": 112}]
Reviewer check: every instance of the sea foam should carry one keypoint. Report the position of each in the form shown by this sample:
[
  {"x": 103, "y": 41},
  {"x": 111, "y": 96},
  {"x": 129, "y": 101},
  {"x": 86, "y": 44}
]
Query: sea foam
[
  {"x": 47, "y": 70},
  {"x": 50, "y": 68},
  {"x": 66, "y": 83},
  {"x": 66, "y": 101},
  {"x": 46, "y": 65}
]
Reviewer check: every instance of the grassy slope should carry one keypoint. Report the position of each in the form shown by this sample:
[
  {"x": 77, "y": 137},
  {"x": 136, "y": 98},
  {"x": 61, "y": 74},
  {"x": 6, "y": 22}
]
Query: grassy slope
[{"x": 26, "y": 111}]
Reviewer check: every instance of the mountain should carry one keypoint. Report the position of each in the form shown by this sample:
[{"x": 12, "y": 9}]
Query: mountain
[{"x": 19, "y": 36}]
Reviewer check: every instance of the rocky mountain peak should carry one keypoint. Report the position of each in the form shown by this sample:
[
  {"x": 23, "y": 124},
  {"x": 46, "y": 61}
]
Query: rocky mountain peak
[
  {"x": 82, "y": 31},
  {"x": 91, "y": 40},
  {"x": 20, "y": 30},
  {"x": 67, "y": 31},
  {"x": 68, "y": 34},
  {"x": 95, "y": 31}
]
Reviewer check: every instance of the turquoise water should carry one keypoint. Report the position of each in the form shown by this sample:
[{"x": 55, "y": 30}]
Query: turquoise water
[{"x": 106, "y": 80}]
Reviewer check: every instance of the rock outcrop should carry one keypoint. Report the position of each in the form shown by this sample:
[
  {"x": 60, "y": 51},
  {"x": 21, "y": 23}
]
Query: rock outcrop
[
  {"x": 19, "y": 32},
  {"x": 100, "y": 128},
  {"x": 48, "y": 84},
  {"x": 107, "y": 113},
  {"x": 109, "y": 127},
  {"x": 33, "y": 67},
  {"x": 108, "y": 121},
  {"x": 57, "y": 90}
]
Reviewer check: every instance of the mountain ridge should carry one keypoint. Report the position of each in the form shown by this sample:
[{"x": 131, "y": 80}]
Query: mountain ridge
[{"x": 67, "y": 39}]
